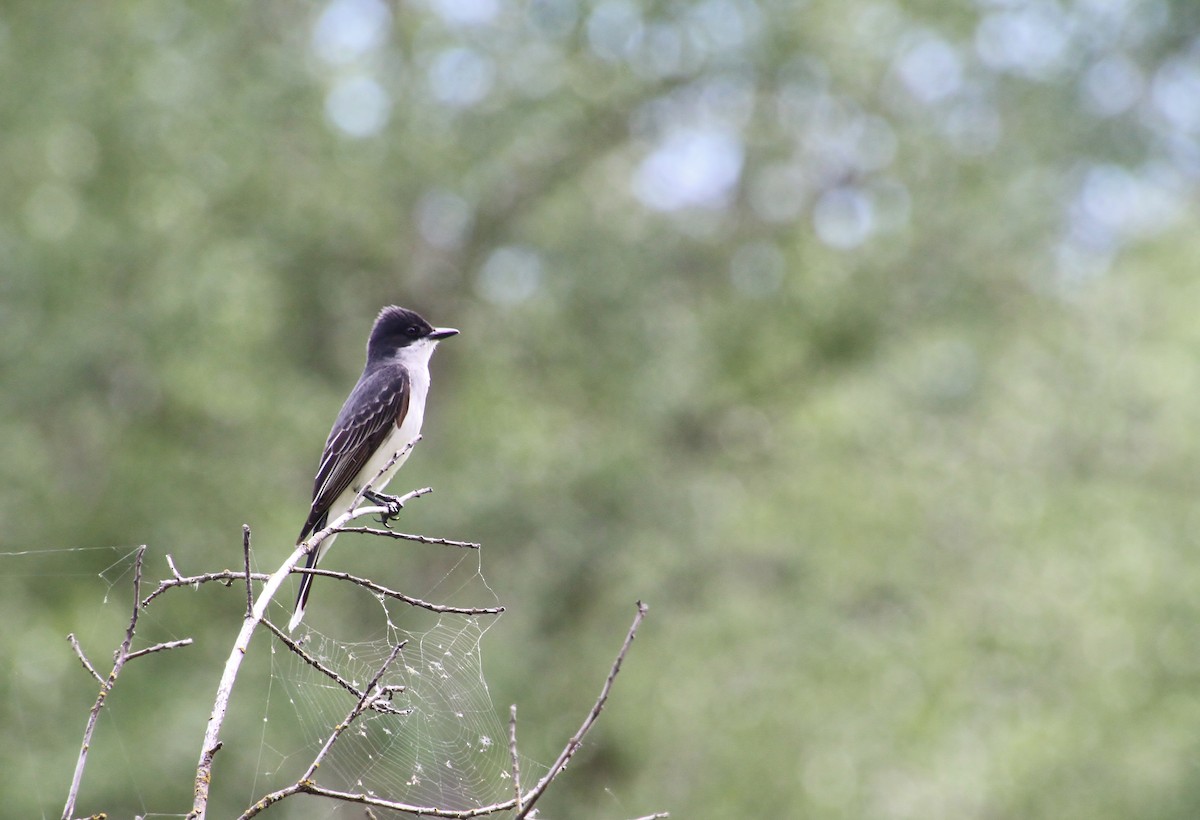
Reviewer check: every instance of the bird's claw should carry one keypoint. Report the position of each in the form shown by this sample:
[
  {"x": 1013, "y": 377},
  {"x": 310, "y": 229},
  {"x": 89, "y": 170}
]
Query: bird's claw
[
  {"x": 393, "y": 504},
  {"x": 393, "y": 511}
]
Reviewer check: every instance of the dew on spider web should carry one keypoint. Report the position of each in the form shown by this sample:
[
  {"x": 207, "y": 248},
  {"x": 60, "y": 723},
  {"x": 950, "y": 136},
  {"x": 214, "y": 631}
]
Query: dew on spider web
[{"x": 426, "y": 736}]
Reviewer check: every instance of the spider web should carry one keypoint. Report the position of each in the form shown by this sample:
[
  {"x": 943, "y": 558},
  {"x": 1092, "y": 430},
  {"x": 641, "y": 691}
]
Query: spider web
[{"x": 438, "y": 741}]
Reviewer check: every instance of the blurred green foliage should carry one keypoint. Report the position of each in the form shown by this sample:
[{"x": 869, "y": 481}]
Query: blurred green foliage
[{"x": 858, "y": 339}]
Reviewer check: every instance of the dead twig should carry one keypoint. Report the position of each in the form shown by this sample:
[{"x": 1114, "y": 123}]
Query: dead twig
[
  {"x": 159, "y": 647},
  {"x": 574, "y": 743},
  {"x": 246, "y": 564},
  {"x": 83, "y": 659},
  {"x": 406, "y": 536},
  {"x": 512, "y": 753},
  {"x": 122, "y": 655},
  {"x": 367, "y": 583},
  {"x": 369, "y": 800}
]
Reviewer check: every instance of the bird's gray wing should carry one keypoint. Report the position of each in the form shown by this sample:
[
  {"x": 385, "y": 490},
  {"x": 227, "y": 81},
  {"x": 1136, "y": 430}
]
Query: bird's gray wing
[{"x": 378, "y": 403}]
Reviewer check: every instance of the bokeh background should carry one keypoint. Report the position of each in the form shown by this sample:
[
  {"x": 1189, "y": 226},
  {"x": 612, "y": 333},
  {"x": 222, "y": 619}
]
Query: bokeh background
[{"x": 859, "y": 339}]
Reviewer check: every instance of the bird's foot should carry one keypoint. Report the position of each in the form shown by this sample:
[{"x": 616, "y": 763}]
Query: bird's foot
[{"x": 393, "y": 504}]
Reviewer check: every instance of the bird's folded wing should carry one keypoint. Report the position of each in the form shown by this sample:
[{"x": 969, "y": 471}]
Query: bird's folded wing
[{"x": 360, "y": 429}]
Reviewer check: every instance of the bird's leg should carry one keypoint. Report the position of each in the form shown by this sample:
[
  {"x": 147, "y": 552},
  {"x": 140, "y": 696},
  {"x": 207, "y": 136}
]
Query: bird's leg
[{"x": 392, "y": 502}]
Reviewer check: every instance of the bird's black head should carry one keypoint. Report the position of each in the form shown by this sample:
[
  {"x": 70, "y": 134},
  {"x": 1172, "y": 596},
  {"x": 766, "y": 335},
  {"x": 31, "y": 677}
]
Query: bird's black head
[{"x": 397, "y": 328}]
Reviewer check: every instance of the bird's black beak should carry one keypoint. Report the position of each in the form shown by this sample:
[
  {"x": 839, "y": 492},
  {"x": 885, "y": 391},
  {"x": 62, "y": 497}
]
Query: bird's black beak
[{"x": 443, "y": 333}]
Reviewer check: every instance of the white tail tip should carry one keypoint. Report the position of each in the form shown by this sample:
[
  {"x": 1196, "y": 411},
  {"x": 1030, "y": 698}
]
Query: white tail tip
[{"x": 297, "y": 616}]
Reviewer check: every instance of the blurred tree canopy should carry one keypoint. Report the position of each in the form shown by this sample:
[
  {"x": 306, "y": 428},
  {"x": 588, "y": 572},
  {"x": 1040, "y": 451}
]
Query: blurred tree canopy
[{"x": 858, "y": 338}]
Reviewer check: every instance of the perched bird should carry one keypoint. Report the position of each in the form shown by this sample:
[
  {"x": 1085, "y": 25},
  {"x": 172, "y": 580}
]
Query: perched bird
[{"x": 381, "y": 416}]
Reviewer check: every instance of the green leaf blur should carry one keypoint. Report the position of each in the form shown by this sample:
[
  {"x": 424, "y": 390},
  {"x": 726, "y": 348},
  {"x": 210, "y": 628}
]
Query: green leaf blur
[{"x": 858, "y": 339}]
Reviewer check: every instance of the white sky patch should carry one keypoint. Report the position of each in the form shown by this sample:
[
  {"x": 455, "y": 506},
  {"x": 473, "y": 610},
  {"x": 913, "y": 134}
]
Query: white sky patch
[
  {"x": 844, "y": 218},
  {"x": 690, "y": 168},
  {"x": 466, "y": 12},
  {"x": 510, "y": 275},
  {"x": 930, "y": 69},
  {"x": 1112, "y": 86},
  {"x": 461, "y": 77},
  {"x": 1120, "y": 203},
  {"x": 1031, "y": 40},
  {"x": 358, "y": 106},
  {"x": 613, "y": 29},
  {"x": 1176, "y": 92},
  {"x": 348, "y": 30}
]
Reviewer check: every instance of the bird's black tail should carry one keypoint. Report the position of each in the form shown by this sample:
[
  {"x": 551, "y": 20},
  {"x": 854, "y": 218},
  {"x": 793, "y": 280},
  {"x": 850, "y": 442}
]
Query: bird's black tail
[
  {"x": 302, "y": 597},
  {"x": 305, "y": 579}
]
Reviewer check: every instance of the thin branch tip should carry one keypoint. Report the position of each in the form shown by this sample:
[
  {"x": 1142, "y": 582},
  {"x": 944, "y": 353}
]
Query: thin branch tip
[
  {"x": 246, "y": 566},
  {"x": 514, "y": 757},
  {"x": 83, "y": 658},
  {"x": 159, "y": 647}
]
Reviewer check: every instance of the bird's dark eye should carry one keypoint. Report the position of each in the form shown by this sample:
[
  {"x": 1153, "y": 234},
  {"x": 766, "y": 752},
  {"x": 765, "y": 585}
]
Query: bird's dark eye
[{"x": 413, "y": 330}]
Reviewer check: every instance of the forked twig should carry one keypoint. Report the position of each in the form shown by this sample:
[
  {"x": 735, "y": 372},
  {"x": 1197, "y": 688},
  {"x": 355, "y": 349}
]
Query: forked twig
[
  {"x": 574, "y": 743},
  {"x": 83, "y": 658},
  {"x": 106, "y": 687},
  {"x": 106, "y": 684}
]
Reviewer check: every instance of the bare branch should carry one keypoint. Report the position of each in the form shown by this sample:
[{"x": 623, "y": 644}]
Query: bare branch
[
  {"x": 574, "y": 743},
  {"x": 411, "y": 494},
  {"x": 368, "y": 800},
  {"x": 422, "y": 539},
  {"x": 512, "y": 753},
  {"x": 159, "y": 647},
  {"x": 122, "y": 655},
  {"x": 83, "y": 659},
  {"x": 399, "y": 596},
  {"x": 381, "y": 706}
]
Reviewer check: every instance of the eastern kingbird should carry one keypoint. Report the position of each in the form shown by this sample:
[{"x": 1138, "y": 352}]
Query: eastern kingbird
[{"x": 381, "y": 416}]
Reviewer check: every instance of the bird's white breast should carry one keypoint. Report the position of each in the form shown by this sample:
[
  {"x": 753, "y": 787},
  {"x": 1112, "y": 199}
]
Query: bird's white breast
[{"x": 415, "y": 359}]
